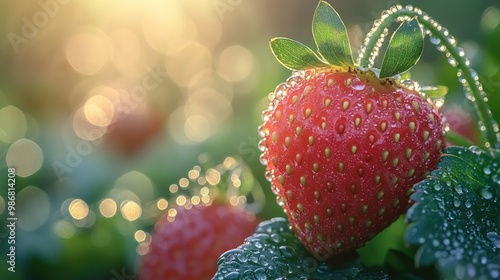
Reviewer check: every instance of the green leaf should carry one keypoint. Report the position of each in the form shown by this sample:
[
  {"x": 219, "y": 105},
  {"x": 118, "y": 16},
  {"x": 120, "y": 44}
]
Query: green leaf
[
  {"x": 434, "y": 91},
  {"x": 294, "y": 55},
  {"x": 456, "y": 216},
  {"x": 273, "y": 252},
  {"x": 404, "y": 50},
  {"x": 331, "y": 36}
]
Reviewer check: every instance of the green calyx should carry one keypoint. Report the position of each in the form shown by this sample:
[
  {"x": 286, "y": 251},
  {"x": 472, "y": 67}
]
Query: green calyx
[{"x": 334, "y": 50}]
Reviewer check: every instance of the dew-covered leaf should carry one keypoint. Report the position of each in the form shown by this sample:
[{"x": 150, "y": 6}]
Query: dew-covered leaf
[
  {"x": 456, "y": 217},
  {"x": 404, "y": 50},
  {"x": 273, "y": 252},
  {"x": 330, "y": 35},
  {"x": 294, "y": 55}
]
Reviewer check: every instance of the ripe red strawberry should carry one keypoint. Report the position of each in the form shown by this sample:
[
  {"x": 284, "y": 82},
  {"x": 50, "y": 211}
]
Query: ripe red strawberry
[
  {"x": 343, "y": 150},
  {"x": 188, "y": 247},
  {"x": 344, "y": 146}
]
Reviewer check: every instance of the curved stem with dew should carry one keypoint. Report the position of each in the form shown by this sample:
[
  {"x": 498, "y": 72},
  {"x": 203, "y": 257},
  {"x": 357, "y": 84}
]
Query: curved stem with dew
[{"x": 445, "y": 42}]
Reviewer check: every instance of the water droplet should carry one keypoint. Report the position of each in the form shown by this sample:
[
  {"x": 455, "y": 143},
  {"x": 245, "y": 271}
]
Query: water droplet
[
  {"x": 494, "y": 270},
  {"x": 468, "y": 204},
  {"x": 452, "y": 40},
  {"x": 242, "y": 257},
  {"x": 260, "y": 274},
  {"x": 269, "y": 176},
  {"x": 280, "y": 201},
  {"x": 263, "y": 260},
  {"x": 441, "y": 48},
  {"x": 494, "y": 238},
  {"x": 434, "y": 40},
  {"x": 452, "y": 62},
  {"x": 287, "y": 251},
  {"x": 487, "y": 170},
  {"x": 262, "y": 159},
  {"x": 358, "y": 84},
  {"x": 485, "y": 192},
  {"x": 232, "y": 275},
  {"x": 292, "y": 81},
  {"x": 456, "y": 201},
  {"x": 471, "y": 270},
  {"x": 275, "y": 238}
]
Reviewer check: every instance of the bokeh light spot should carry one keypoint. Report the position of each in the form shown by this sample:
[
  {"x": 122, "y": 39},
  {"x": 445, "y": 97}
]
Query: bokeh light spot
[
  {"x": 26, "y": 156},
  {"x": 166, "y": 23},
  {"x": 140, "y": 236},
  {"x": 78, "y": 209},
  {"x": 131, "y": 211},
  {"x": 235, "y": 63},
  {"x": 229, "y": 163},
  {"x": 173, "y": 188},
  {"x": 126, "y": 50},
  {"x": 107, "y": 207},
  {"x": 88, "y": 51},
  {"x": 195, "y": 200},
  {"x": 99, "y": 110},
  {"x": 162, "y": 204},
  {"x": 194, "y": 173},
  {"x": 212, "y": 176},
  {"x": 13, "y": 124},
  {"x": 172, "y": 212},
  {"x": 142, "y": 248},
  {"x": 183, "y": 182},
  {"x": 136, "y": 182},
  {"x": 33, "y": 208},
  {"x": 192, "y": 59},
  {"x": 180, "y": 200},
  {"x": 84, "y": 129},
  {"x": 64, "y": 229},
  {"x": 197, "y": 128}
]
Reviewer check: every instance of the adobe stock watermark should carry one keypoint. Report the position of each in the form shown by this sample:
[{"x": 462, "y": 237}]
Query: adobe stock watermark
[
  {"x": 32, "y": 25},
  {"x": 129, "y": 101},
  {"x": 223, "y": 6},
  {"x": 249, "y": 149}
]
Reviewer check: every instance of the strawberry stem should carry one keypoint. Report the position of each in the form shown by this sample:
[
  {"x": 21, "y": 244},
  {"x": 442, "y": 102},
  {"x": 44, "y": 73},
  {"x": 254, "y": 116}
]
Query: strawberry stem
[
  {"x": 458, "y": 139},
  {"x": 445, "y": 43}
]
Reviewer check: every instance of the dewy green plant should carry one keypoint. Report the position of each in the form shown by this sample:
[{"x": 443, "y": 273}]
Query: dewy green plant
[{"x": 349, "y": 148}]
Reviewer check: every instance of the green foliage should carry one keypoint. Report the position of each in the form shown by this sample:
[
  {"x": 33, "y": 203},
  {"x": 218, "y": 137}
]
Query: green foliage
[
  {"x": 331, "y": 37},
  {"x": 404, "y": 50},
  {"x": 273, "y": 252},
  {"x": 295, "y": 55},
  {"x": 455, "y": 220}
]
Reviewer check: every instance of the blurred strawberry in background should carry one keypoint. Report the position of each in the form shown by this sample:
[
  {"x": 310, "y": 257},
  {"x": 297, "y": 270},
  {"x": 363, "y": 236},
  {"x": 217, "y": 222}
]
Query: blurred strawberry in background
[
  {"x": 133, "y": 131},
  {"x": 188, "y": 246},
  {"x": 461, "y": 122}
]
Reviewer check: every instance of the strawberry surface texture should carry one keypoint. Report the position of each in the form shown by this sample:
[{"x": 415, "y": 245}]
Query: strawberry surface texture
[
  {"x": 188, "y": 247},
  {"x": 343, "y": 149}
]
